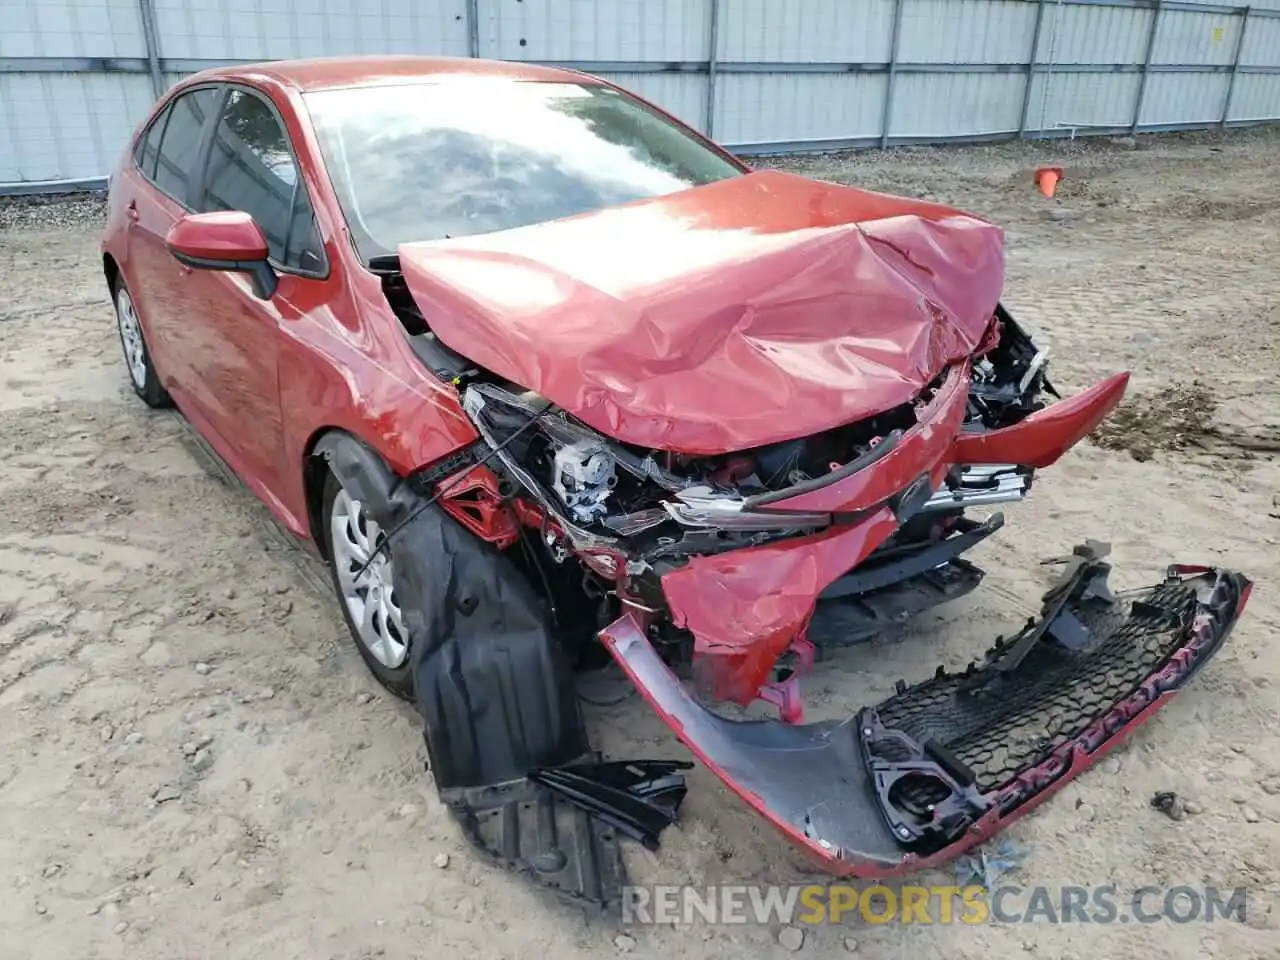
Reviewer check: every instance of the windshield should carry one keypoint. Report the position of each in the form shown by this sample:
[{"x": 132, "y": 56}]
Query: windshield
[{"x": 427, "y": 161}]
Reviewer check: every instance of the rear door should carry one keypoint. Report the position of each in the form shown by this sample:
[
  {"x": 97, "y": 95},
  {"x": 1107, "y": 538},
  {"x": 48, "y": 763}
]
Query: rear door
[
  {"x": 252, "y": 167},
  {"x": 168, "y": 162}
]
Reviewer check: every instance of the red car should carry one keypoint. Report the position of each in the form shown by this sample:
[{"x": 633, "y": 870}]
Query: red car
[{"x": 552, "y": 381}]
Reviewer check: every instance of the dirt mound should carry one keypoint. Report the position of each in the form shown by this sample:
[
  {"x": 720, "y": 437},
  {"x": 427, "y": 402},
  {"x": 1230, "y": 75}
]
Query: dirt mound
[
  {"x": 1181, "y": 417},
  {"x": 1199, "y": 207},
  {"x": 1171, "y": 418}
]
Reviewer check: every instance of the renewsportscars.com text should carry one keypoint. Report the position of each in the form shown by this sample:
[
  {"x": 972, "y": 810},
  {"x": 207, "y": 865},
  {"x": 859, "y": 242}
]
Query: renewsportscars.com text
[{"x": 938, "y": 904}]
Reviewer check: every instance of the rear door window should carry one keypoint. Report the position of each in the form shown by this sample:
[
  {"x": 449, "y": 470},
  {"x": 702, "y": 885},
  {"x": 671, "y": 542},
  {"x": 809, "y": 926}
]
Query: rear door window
[
  {"x": 176, "y": 163},
  {"x": 149, "y": 145},
  {"x": 252, "y": 168}
]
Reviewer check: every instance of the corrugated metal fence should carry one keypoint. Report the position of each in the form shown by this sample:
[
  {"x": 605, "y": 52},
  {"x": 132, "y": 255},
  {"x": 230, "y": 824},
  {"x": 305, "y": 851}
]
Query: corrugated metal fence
[{"x": 759, "y": 75}]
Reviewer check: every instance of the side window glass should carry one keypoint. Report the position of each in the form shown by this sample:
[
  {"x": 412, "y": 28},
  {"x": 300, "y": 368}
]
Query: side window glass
[
  {"x": 252, "y": 169},
  {"x": 149, "y": 145},
  {"x": 180, "y": 143}
]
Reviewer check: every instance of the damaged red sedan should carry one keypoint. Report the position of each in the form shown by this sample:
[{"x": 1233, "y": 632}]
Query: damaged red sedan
[{"x": 552, "y": 381}]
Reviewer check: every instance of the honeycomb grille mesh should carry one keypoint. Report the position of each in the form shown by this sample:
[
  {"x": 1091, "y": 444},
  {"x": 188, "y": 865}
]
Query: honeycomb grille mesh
[{"x": 999, "y": 730}]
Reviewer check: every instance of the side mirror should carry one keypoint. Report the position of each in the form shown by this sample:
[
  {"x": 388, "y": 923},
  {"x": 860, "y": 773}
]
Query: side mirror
[{"x": 224, "y": 240}]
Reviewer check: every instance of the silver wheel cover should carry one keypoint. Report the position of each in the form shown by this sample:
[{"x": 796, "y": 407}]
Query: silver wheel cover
[
  {"x": 135, "y": 355},
  {"x": 370, "y": 599}
]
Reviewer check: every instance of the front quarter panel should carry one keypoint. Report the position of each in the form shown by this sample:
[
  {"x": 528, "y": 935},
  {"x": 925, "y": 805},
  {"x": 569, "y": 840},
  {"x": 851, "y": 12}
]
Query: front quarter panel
[{"x": 346, "y": 365}]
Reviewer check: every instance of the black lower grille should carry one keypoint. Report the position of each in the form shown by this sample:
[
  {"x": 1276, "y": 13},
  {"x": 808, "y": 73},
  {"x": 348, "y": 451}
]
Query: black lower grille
[{"x": 1004, "y": 726}]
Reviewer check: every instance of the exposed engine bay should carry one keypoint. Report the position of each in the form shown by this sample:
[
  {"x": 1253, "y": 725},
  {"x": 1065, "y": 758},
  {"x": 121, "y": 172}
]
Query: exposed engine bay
[{"x": 654, "y": 504}]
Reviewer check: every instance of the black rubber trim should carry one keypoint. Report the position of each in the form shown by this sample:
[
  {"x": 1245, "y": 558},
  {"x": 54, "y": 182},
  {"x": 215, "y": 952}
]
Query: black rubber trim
[
  {"x": 876, "y": 576},
  {"x": 844, "y": 621},
  {"x": 876, "y": 453}
]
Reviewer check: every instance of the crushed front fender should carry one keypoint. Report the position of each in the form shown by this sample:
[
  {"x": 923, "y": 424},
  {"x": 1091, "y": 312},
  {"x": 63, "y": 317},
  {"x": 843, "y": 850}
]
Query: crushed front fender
[
  {"x": 946, "y": 763},
  {"x": 1042, "y": 438}
]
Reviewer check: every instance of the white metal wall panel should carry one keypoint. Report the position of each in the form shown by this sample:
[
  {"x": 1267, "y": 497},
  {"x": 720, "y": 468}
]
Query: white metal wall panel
[
  {"x": 1078, "y": 100},
  {"x": 1184, "y": 98},
  {"x": 973, "y": 31},
  {"x": 625, "y": 30},
  {"x": 70, "y": 28},
  {"x": 58, "y": 126},
  {"x": 61, "y": 125},
  {"x": 1090, "y": 34},
  {"x": 282, "y": 29},
  {"x": 682, "y": 95},
  {"x": 1256, "y": 97},
  {"x": 1205, "y": 38},
  {"x": 758, "y": 107},
  {"x": 793, "y": 31},
  {"x": 1262, "y": 43},
  {"x": 945, "y": 105}
]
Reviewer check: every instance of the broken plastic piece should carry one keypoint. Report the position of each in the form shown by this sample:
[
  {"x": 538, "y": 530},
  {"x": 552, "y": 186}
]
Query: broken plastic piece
[
  {"x": 640, "y": 798},
  {"x": 492, "y": 686},
  {"x": 901, "y": 565},
  {"x": 785, "y": 693},
  {"x": 1079, "y": 582},
  {"x": 843, "y": 621},
  {"x": 545, "y": 838},
  {"x": 925, "y": 793}
]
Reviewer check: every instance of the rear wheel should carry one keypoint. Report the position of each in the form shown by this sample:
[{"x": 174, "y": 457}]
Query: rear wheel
[
  {"x": 137, "y": 358},
  {"x": 369, "y": 602}
]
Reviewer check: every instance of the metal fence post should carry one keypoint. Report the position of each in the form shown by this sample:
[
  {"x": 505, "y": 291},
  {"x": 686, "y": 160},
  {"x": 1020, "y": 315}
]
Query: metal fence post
[
  {"x": 1031, "y": 69},
  {"x": 151, "y": 37},
  {"x": 1235, "y": 65},
  {"x": 1146, "y": 68},
  {"x": 473, "y": 28},
  {"x": 713, "y": 50},
  {"x": 886, "y": 113}
]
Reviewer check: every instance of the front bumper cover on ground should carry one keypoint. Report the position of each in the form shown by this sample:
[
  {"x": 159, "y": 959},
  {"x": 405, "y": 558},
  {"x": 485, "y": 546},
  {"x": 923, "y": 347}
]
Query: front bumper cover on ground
[{"x": 944, "y": 764}]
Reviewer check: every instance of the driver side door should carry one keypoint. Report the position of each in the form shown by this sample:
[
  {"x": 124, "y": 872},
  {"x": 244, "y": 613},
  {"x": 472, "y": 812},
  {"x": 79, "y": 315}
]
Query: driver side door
[{"x": 251, "y": 166}]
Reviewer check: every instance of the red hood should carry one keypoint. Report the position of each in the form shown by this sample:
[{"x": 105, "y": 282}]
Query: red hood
[{"x": 751, "y": 310}]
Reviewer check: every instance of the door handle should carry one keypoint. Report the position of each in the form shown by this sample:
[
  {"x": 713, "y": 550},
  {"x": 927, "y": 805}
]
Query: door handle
[{"x": 131, "y": 211}]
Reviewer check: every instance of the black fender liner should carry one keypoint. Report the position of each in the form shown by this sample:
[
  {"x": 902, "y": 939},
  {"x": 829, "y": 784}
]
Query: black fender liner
[{"x": 494, "y": 691}]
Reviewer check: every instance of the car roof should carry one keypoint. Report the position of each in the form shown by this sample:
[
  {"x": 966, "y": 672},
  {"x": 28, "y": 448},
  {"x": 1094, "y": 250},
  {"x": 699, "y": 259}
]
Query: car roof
[{"x": 325, "y": 73}]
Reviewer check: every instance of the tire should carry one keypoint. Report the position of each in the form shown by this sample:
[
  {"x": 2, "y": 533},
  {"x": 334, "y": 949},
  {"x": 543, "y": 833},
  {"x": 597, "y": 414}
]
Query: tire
[
  {"x": 137, "y": 358},
  {"x": 344, "y": 536}
]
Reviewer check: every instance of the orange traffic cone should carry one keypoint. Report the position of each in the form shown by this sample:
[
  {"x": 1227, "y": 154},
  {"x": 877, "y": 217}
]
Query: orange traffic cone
[{"x": 1047, "y": 179}]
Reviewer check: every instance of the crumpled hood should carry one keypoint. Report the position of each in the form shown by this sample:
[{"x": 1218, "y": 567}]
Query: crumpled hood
[{"x": 748, "y": 311}]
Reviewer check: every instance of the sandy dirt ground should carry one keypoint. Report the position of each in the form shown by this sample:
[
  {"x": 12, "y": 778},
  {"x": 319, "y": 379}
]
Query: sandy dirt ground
[{"x": 193, "y": 761}]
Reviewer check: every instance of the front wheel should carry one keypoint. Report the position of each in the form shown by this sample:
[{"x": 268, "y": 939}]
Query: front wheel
[
  {"x": 137, "y": 358},
  {"x": 368, "y": 599}
]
